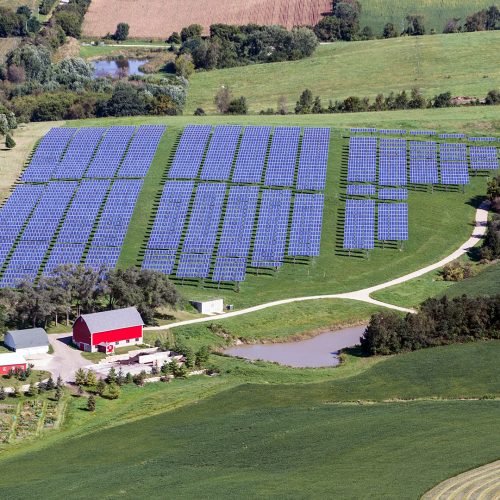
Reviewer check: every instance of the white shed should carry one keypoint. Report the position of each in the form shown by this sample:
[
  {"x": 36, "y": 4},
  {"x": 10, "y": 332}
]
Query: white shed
[
  {"x": 27, "y": 342},
  {"x": 215, "y": 306}
]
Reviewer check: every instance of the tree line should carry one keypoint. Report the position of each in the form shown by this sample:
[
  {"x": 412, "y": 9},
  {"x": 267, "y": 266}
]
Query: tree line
[
  {"x": 228, "y": 46},
  {"x": 308, "y": 103},
  {"x": 437, "y": 322},
  {"x": 490, "y": 249},
  {"x": 73, "y": 290}
]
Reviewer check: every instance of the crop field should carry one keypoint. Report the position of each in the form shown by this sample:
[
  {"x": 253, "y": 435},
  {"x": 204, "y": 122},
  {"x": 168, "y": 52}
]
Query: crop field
[
  {"x": 159, "y": 18},
  {"x": 336, "y": 71},
  {"x": 348, "y": 437}
]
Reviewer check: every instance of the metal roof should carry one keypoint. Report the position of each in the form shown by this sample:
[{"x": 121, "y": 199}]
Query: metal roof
[
  {"x": 112, "y": 320},
  {"x": 11, "y": 358},
  {"x": 23, "y": 339}
]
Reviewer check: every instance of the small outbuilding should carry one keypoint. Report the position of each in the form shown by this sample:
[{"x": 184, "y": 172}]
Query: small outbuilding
[
  {"x": 11, "y": 361},
  {"x": 215, "y": 306},
  {"x": 106, "y": 330},
  {"x": 27, "y": 342}
]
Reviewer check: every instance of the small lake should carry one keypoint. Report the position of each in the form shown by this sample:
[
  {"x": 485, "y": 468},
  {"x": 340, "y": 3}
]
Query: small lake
[
  {"x": 322, "y": 350},
  {"x": 118, "y": 68}
]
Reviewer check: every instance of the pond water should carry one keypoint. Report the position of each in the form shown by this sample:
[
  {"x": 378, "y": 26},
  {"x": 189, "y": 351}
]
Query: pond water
[
  {"x": 322, "y": 350},
  {"x": 116, "y": 68}
]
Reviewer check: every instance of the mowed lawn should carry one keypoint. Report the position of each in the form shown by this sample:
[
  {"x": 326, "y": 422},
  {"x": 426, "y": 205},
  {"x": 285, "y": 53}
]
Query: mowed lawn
[
  {"x": 436, "y": 13},
  {"x": 439, "y": 221},
  {"x": 465, "y": 64},
  {"x": 294, "y": 440}
]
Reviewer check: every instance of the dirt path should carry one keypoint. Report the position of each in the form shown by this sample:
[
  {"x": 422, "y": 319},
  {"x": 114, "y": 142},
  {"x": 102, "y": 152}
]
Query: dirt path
[
  {"x": 363, "y": 295},
  {"x": 482, "y": 483}
]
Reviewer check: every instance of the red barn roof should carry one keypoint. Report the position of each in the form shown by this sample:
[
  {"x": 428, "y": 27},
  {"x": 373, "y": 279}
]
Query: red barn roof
[{"x": 112, "y": 320}]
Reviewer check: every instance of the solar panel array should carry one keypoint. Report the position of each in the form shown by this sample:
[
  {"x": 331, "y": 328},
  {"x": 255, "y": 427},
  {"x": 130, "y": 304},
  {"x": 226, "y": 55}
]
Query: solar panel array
[
  {"x": 359, "y": 228},
  {"x": 423, "y": 162},
  {"x": 361, "y": 190},
  {"x": 453, "y": 164},
  {"x": 209, "y": 229},
  {"x": 392, "y": 221},
  {"x": 483, "y": 158},
  {"x": 392, "y": 162},
  {"x": 80, "y": 205},
  {"x": 362, "y": 163},
  {"x": 482, "y": 139}
]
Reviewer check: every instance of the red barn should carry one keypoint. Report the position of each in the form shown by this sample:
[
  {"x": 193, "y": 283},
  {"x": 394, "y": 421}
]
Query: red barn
[
  {"x": 109, "y": 329},
  {"x": 11, "y": 361}
]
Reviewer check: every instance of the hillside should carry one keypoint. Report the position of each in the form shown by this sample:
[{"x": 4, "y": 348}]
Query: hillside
[
  {"x": 247, "y": 438},
  {"x": 159, "y": 18},
  {"x": 434, "y": 64}
]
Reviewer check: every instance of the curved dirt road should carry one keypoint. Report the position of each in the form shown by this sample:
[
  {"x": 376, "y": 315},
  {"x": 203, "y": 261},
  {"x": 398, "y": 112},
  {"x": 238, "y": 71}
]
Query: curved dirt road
[{"x": 363, "y": 295}]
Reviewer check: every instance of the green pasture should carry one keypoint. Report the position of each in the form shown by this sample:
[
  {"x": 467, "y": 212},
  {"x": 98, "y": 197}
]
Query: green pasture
[
  {"x": 464, "y": 64},
  {"x": 349, "y": 438},
  {"x": 375, "y": 13}
]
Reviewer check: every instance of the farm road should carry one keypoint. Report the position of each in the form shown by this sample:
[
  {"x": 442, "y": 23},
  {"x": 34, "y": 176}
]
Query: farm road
[{"x": 478, "y": 232}]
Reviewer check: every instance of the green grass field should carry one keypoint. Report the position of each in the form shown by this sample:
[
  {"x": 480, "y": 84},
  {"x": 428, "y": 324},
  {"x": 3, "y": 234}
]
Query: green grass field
[
  {"x": 375, "y": 13},
  {"x": 434, "y": 64},
  {"x": 293, "y": 440}
]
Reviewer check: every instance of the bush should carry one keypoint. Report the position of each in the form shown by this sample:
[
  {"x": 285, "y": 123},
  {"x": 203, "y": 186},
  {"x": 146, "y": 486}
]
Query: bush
[
  {"x": 199, "y": 112},
  {"x": 121, "y": 33},
  {"x": 9, "y": 142},
  {"x": 238, "y": 106},
  {"x": 457, "y": 271}
]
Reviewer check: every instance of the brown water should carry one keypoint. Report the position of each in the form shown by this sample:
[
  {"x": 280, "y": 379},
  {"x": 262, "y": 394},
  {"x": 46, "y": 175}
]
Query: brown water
[{"x": 322, "y": 350}]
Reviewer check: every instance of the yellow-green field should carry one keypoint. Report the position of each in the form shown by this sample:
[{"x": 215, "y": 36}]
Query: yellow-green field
[{"x": 465, "y": 64}]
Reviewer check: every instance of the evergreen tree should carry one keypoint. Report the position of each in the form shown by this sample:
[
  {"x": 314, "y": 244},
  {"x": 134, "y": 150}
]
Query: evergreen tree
[
  {"x": 100, "y": 387},
  {"x": 9, "y": 142},
  {"x": 32, "y": 390},
  {"x": 91, "y": 403},
  {"x": 3, "y": 395},
  {"x": 49, "y": 385},
  {"x": 305, "y": 102},
  {"x": 202, "y": 356},
  {"x": 80, "y": 390},
  {"x": 111, "y": 378},
  {"x": 113, "y": 391},
  {"x": 59, "y": 393},
  {"x": 91, "y": 378},
  {"x": 121, "y": 33},
  {"x": 189, "y": 357},
  {"x": 120, "y": 379},
  {"x": 80, "y": 378},
  {"x": 59, "y": 383},
  {"x": 128, "y": 378}
]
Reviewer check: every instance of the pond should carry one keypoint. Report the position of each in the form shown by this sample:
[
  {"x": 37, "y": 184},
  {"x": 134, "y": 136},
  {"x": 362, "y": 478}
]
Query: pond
[
  {"x": 319, "y": 351},
  {"x": 118, "y": 68}
]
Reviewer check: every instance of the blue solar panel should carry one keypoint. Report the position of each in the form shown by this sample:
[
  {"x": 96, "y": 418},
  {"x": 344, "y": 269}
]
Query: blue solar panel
[
  {"x": 313, "y": 159},
  {"x": 482, "y": 139},
  {"x": 204, "y": 219},
  {"x": 229, "y": 269},
  {"x": 63, "y": 254},
  {"x": 110, "y": 152},
  {"x": 272, "y": 228},
  {"x": 361, "y": 190},
  {"x": 363, "y": 130},
  {"x": 98, "y": 257},
  {"x": 117, "y": 212},
  {"x": 359, "y": 228},
  {"x": 392, "y": 162},
  {"x": 238, "y": 221},
  {"x": 392, "y": 131},
  {"x": 159, "y": 260},
  {"x": 193, "y": 265},
  {"x": 423, "y": 162},
  {"x": 453, "y": 164},
  {"x": 252, "y": 155},
  {"x": 305, "y": 234},
  {"x": 423, "y": 132},
  {"x": 141, "y": 151},
  {"x": 392, "y": 194},
  {"x": 220, "y": 154},
  {"x": 392, "y": 221},
  {"x": 189, "y": 153},
  {"x": 362, "y": 163},
  {"x": 282, "y": 159},
  {"x": 171, "y": 216},
  {"x": 79, "y": 153},
  {"x": 81, "y": 216},
  {"x": 451, "y": 136},
  {"x": 483, "y": 158},
  {"x": 47, "y": 155}
]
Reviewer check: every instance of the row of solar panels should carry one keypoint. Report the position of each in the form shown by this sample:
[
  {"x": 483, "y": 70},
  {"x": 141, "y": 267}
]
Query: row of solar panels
[
  {"x": 94, "y": 152},
  {"x": 253, "y": 229},
  {"x": 253, "y": 155},
  {"x": 365, "y": 153},
  {"x": 64, "y": 217},
  {"x": 359, "y": 226},
  {"x": 370, "y": 130}
]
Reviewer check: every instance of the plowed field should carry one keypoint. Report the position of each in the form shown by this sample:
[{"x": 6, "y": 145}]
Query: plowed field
[{"x": 159, "y": 18}]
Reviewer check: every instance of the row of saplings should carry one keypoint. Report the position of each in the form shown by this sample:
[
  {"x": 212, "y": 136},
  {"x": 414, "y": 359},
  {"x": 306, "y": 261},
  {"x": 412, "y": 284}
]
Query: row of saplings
[
  {"x": 110, "y": 387},
  {"x": 34, "y": 388}
]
